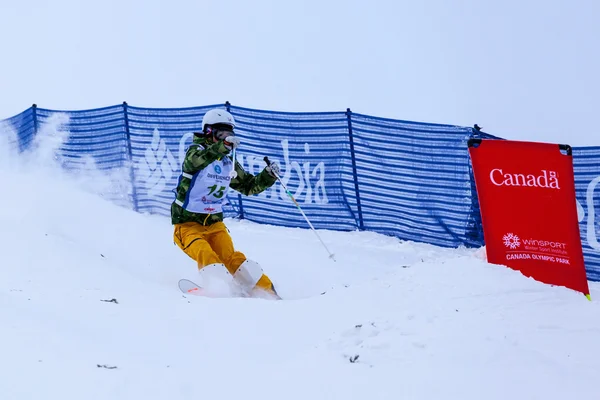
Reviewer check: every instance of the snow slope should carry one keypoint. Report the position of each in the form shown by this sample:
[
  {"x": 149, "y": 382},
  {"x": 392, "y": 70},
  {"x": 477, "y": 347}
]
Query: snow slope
[{"x": 89, "y": 308}]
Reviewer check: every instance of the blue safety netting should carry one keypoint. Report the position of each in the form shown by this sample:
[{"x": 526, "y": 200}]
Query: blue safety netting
[{"x": 347, "y": 171}]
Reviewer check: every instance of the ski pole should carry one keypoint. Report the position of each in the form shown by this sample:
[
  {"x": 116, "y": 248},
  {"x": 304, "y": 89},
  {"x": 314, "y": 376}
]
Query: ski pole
[
  {"x": 233, "y": 174},
  {"x": 298, "y": 205}
]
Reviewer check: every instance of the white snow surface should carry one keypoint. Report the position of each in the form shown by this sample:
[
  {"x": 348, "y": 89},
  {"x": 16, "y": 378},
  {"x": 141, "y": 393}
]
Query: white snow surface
[{"x": 419, "y": 322}]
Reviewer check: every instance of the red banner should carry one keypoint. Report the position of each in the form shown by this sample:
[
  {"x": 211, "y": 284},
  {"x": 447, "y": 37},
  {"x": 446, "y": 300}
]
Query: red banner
[{"x": 526, "y": 193}]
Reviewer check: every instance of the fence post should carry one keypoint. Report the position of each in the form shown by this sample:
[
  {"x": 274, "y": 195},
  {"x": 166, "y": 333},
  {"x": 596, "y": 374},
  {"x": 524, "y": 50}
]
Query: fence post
[
  {"x": 361, "y": 225},
  {"x": 130, "y": 157},
  {"x": 35, "y": 120},
  {"x": 240, "y": 204}
]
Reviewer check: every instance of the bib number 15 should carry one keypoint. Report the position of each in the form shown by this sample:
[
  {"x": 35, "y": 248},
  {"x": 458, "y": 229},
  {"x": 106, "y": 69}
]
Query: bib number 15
[{"x": 218, "y": 193}]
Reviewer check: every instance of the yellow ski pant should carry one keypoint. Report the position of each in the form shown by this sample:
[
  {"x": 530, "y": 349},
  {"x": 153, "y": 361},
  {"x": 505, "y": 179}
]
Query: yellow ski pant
[{"x": 212, "y": 244}]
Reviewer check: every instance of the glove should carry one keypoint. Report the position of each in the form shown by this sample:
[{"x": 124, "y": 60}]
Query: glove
[
  {"x": 273, "y": 169},
  {"x": 231, "y": 142}
]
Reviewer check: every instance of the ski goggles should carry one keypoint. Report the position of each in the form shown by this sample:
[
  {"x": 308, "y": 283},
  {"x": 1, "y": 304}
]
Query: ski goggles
[{"x": 222, "y": 131}]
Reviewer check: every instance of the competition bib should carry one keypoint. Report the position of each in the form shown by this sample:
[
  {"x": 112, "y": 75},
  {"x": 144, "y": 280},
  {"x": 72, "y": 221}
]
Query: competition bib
[{"x": 208, "y": 188}]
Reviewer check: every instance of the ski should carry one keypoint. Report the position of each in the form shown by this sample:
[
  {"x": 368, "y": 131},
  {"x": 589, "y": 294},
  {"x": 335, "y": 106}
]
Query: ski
[{"x": 189, "y": 287}]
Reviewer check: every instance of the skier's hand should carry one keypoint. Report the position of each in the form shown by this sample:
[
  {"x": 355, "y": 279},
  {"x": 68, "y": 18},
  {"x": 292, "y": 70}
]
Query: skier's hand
[
  {"x": 231, "y": 142},
  {"x": 273, "y": 169}
]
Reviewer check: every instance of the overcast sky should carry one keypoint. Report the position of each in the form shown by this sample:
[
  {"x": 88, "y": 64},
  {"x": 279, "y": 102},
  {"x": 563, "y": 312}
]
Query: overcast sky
[{"x": 524, "y": 70}]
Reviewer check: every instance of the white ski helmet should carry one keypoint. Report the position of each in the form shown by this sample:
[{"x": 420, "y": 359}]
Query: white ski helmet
[{"x": 217, "y": 116}]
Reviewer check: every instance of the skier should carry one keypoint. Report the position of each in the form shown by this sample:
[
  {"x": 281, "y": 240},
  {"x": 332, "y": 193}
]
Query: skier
[{"x": 208, "y": 171}]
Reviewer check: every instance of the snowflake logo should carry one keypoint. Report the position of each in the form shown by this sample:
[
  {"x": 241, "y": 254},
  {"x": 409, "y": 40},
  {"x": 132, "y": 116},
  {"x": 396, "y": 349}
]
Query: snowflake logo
[{"x": 511, "y": 240}]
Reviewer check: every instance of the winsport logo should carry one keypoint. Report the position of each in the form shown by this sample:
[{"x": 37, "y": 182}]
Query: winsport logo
[{"x": 511, "y": 241}]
